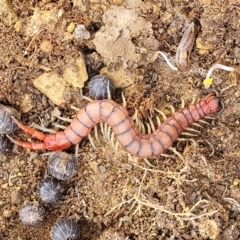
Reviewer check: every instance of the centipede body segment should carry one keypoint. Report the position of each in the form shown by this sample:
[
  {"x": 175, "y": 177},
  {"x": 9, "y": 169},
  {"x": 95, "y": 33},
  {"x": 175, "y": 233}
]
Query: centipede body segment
[{"x": 116, "y": 116}]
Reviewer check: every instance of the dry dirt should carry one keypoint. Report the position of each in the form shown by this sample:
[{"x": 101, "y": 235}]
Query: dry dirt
[{"x": 115, "y": 196}]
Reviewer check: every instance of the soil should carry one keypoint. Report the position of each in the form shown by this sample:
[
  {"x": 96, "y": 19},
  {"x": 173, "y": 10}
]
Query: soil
[{"x": 192, "y": 193}]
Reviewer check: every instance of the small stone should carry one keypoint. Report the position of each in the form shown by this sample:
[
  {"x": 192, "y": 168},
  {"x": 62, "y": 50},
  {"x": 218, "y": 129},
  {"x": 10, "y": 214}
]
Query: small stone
[
  {"x": 75, "y": 72},
  {"x": 5, "y": 185},
  {"x": 26, "y": 104},
  {"x": 18, "y": 25},
  {"x": 52, "y": 85},
  {"x": 71, "y": 27},
  {"x": 102, "y": 169},
  {"x": 6, "y": 213},
  {"x": 203, "y": 47},
  {"x": 81, "y": 32},
  {"x": 120, "y": 77},
  {"x": 15, "y": 198},
  {"x": 7, "y": 13},
  {"x": 46, "y": 46}
]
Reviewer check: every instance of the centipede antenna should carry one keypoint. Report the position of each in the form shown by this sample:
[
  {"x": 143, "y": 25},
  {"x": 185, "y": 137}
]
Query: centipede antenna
[
  {"x": 96, "y": 133},
  {"x": 148, "y": 163},
  {"x": 203, "y": 122},
  {"x": 124, "y": 100},
  {"x": 91, "y": 141},
  {"x": 162, "y": 114},
  {"x": 87, "y": 98},
  {"x": 189, "y": 134},
  {"x": 149, "y": 130},
  {"x": 75, "y": 108},
  {"x": 158, "y": 121},
  {"x": 151, "y": 124},
  {"x": 193, "y": 130},
  {"x": 43, "y": 128},
  {"x": 108, "y": 92},
  {"x": 64, "y": 119},
  {"x": 59, "y": 126},
  {"x": 177, "y": 153}
]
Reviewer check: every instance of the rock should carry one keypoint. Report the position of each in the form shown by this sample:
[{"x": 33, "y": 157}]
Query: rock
[
  {"x": 71, "y": 27},
  {"x": 81, "y": 32},
  {"x": 203, "y": 47},
  {"x": 121, "y": 77},
  {"x": 26, "y": 103},
  {"x": 42, "y": 19},
  {"x": 46, "y": 46},
  {"x": 114, "y": 39},
  {"x": 75, "y": 72},
  {"x": 52, "y": 85},
  {"x": 7, "y": 12}
]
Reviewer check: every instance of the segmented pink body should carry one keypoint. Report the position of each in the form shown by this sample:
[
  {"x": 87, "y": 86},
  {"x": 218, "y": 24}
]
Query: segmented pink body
[{"x": 115, "y": 115}]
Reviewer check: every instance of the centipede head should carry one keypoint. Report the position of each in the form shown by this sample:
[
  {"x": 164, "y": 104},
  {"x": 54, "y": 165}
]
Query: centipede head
[{"x": 214, "y": 104}]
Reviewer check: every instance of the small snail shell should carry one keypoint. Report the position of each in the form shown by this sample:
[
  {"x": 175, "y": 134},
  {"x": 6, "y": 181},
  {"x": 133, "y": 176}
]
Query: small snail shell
[
  {"x": 31, "y": 214},
  {"x": 62, "y": 165},
  {"x": 98, "y": 87},
  {"x": 48, "y": 190},
  {"x": 65, "y": 229},
  {"x": 7, "y": 124}
]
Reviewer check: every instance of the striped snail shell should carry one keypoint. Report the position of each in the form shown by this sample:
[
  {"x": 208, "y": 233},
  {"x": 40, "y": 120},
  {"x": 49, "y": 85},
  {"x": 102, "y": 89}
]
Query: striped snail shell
[
  {"x": 62, "y": 165},
  {"x": 98, "y": 87},
  {"x": 31, "y": 214},
  {"x": 49, "y": 190},
  {"x": 65, "y": 229},
  {"x": 7, "y": 124}
]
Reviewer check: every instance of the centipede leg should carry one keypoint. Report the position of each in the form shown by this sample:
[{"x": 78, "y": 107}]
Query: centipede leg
[
  {"x": 43, "y": 128},
  {"x": 177, "y": 153},
  {"x": 124, "y": 100},
  {"x": 189, "y": 134},
  {"x": 59, "y": 126},
  {"x": 65, "y": 119},
  {"x": 91, "y": 141},
  {"x": 96, "y": 133}
]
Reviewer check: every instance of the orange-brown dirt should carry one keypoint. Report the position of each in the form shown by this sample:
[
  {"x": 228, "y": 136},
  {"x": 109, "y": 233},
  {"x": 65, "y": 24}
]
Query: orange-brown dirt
[{"x": 113, "y": 195}]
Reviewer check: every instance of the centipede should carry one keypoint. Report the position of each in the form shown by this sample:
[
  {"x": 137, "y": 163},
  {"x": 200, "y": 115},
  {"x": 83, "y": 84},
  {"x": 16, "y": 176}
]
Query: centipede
[{"x": 130, "y": 137}]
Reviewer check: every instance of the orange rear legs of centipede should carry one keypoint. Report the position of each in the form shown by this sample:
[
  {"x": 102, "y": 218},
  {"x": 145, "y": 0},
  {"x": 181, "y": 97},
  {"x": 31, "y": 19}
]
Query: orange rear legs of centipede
[
  {"x": 50, "y": 141},
  {"x": 31, "y": 131}
]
